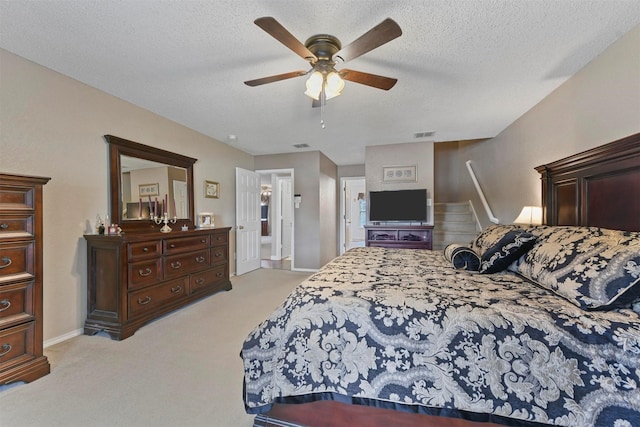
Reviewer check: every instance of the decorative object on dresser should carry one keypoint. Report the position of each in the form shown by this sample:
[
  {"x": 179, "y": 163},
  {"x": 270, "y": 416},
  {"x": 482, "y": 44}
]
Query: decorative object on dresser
[
  {"x": 134, "y": 278},
  {"x": 399, "y": 236},
  {"x": 205, "y": 220},
  {"x": 21, "y": 356}
]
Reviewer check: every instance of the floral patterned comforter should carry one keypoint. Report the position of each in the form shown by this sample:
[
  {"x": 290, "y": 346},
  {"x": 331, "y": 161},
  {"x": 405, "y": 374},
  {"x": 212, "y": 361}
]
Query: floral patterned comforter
[{"x": 402, "y": 329}]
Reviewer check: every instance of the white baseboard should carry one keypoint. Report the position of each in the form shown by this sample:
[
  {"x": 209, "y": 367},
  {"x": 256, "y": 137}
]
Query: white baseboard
[
  {"x": 63, "y": 337},
  {"x": 308, "y": 270}
]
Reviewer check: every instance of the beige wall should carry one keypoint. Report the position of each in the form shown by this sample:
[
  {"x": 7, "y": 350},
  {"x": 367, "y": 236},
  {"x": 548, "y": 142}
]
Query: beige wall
[
  {"x": 600, "y": 104},
  {"x": 446, "y": 172},
  {"x": 419, "y": 154},
  {"x": 52, "y": 125},
  {"x": 329, "y": 203},
  {"x": 351, "y": 171}
]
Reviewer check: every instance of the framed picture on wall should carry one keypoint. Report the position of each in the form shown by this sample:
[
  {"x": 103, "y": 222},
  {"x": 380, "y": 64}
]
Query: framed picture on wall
[
  {"x": 211, "y": 189},
  {"x": 145, "y": 190},
  {"x": 399, "y": 173}
]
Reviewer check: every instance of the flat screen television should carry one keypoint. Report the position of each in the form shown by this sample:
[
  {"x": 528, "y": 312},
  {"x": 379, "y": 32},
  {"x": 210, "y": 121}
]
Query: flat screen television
[{"x": 398, "y": 205}]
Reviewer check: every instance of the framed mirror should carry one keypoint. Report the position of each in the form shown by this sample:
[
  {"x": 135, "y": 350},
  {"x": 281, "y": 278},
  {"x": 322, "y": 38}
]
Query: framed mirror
[{"x": 145, "y": 181}]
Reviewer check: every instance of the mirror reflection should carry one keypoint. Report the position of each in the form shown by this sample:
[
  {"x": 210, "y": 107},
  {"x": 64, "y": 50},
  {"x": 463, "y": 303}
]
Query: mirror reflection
[{"x": 149, "y": 188}]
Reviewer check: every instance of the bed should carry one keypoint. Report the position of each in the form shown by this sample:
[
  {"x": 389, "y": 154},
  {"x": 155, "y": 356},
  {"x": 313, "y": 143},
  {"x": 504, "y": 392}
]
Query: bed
[{"x": 544, "y": 334}]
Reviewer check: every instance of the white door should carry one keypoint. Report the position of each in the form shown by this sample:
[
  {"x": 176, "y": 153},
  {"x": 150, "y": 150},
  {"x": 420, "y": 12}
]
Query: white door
[
  {"x": 352, "y": 213},
  {"x": 247, "y": 221},
  {"x": 180, "y": 199},
  {"x": 286, "y": 199}
]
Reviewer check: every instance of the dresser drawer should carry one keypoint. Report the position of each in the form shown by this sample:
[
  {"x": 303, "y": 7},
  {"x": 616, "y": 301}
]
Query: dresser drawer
[
  {"x": 16, "y": 225},
  {"x": 180, "y": 265},
  {"x": 144, "y": 273},
  {"x": 16, "y": 345},
  {"x": 16, "y": 197},
  {"x": 16, "y": 304},
  {"x": 220, "y": 239},
  {"x": 141, "y": 250},
  {"x": 148, "y": 299},
  {"x": 185, "y": 244},
  {"x": 206, "y": 279},
  {"x": 219, "y": 255},
  {"x": 17, "y": 261}
]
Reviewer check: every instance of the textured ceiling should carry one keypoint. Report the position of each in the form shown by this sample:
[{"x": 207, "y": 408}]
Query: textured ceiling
[{"x": 465, "y": 69}]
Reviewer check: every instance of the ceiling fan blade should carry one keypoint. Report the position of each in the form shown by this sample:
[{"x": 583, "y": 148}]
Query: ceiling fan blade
[
  {"x": 277, "y": 31},
  {"x": 382, "y": 33},
  {"x": 372, "y": 80},
  {"x": 276, "y": 78}
]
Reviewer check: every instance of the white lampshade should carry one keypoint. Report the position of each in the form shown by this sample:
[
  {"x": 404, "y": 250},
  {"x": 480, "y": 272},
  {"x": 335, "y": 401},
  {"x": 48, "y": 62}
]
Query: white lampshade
[
  {"x": 530, "y": 215},
  {"x": 314, "y": 85},
  {"x": 334, "y": 85}
]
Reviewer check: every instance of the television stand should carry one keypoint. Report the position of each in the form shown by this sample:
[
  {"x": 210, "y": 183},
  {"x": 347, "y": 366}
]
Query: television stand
[{"x": 399, "y": 236}]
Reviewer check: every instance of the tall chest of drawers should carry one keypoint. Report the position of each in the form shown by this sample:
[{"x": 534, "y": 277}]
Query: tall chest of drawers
[
  {"x": 21, "y": 356},
  {"x": 134, "y": 278}
]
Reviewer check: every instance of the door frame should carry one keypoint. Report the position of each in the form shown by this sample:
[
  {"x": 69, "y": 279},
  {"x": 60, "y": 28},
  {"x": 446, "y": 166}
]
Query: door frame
[
  {"x": 274, "y": 189},
  {"x": 343, "y": 209},
  {"x": 284, "y": 205}
]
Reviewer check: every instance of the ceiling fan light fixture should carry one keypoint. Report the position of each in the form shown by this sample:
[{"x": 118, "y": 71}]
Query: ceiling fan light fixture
[
  {"x": 334, "y": 85},
  {"x": 314, "y": 85},
  {"x": 331, "y": 82}
]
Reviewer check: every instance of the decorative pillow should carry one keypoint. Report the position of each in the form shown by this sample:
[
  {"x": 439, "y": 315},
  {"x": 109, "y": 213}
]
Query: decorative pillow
[
  {"x": 509, "y": 248},
  {"x": 488, "y": 237},
  {"x": 462, "y": 257},
  {"x": 594, "y": 268}
]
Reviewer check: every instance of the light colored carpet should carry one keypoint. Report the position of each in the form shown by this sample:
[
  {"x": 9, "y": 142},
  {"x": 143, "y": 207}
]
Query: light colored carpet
[
  {"x": 181, "y": 370},
  {"x": 265, "y": 247}
]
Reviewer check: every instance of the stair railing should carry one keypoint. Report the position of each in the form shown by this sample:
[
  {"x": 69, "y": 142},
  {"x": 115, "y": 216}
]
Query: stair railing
[{"x": 492, "y": 218}]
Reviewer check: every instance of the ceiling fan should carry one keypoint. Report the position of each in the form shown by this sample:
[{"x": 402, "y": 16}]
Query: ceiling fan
[{"x": 323, "y": 52}]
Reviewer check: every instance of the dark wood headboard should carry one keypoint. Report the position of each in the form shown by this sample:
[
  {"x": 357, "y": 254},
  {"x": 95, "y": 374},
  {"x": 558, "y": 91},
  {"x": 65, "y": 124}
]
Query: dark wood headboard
[{"x": 599, "y": 187}]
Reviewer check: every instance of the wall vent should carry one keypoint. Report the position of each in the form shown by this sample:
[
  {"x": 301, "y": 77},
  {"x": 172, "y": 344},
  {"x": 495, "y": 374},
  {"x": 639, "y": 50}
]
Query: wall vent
[
  {"x": 301, "y": 145},
  {"x": 425, "y": 134}
]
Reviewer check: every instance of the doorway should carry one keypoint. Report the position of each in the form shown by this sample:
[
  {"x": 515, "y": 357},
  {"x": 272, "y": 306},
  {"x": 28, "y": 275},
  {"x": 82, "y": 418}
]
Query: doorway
[
  {"x": 353, "y": 213},
  {"x": 277, "y": 219}
]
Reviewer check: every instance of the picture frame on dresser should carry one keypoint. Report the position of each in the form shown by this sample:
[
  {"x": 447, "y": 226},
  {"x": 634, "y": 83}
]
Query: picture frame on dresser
[{"x": 205, "y": 220}]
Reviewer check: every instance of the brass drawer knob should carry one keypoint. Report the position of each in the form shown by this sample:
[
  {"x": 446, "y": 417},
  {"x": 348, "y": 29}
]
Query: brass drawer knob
[
  {"x": 6, "y": 262},
  {"x": 145, "y": 273},
  {"x": 6, "y": 348}
]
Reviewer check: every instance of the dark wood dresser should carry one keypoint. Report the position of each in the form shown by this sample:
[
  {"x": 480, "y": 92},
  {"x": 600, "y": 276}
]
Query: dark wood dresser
[
  {"x": 134, "y": 278},
  {"x": 21, "y": 356}
]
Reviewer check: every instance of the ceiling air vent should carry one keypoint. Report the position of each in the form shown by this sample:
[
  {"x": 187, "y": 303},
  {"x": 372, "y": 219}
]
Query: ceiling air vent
[
  {"x": 301, "y": 145},
  {"x": 426, "y": 134}
]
